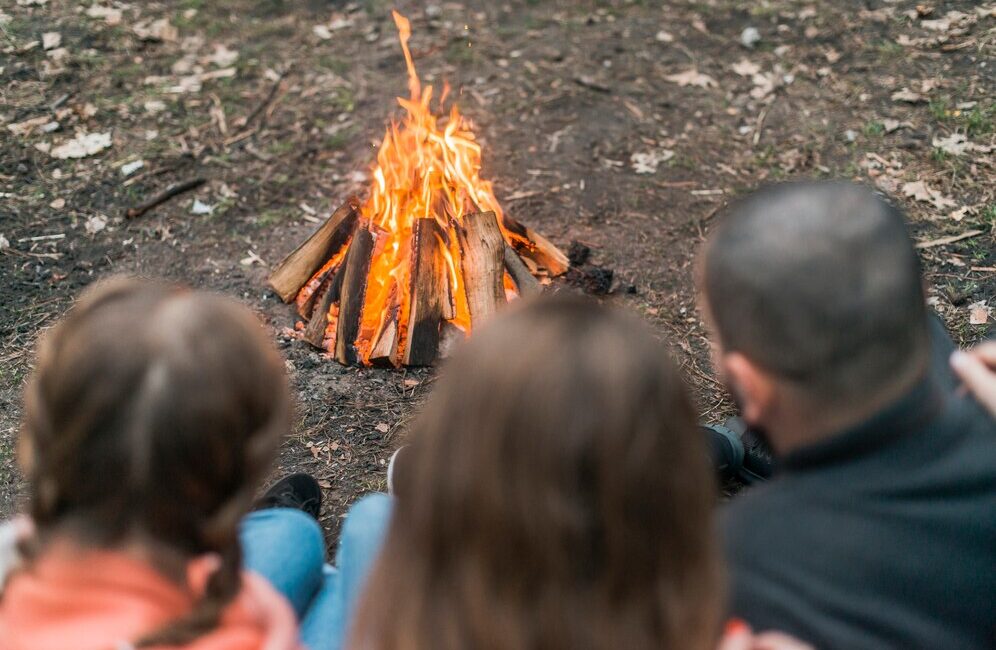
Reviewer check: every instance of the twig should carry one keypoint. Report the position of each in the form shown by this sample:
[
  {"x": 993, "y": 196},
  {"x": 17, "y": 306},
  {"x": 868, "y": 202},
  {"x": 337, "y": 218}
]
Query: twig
[
  {"x": 266, "y": 101},
  {"x": 165, "y": 195},
  {"x": 968, "y": 234},
  {"x": 760, "y": 124}
]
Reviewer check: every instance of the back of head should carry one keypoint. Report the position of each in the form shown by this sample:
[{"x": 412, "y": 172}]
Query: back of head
[
  {"x": 819, "y": 284},
  {"x": 560, "y": 497},
  {"x": 153, "y": 414}
]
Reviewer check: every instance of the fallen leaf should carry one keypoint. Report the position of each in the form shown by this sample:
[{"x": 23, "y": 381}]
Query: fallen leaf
[
  {"x": 745, "y": 68},
  {"x": 382, "y": 427},
  {"x": 664, "y": 37},
  {"x": 51, "y": 40},
  {"x": 4, "y": 243},
  {"x": 128, "y": 169},
  {"x": 27, "y": 126},
  {"x": 958, "y": 144},
  {"x": 960, "y": 213},
  {"x": 978, "y": 313},
  {"x": 158, "y": 30},
  {"x": 908, "y": 96},
  {"x": 325, "y": 485},
  {"x": 110, "y": 15},
  {"x": 154, "y": 106},
  {"x": 322, "y": 32},
  {"x": 95, "y": 224},
  {"x": 919, "y": 191},
  {"x": 647, "y": 163},
  {"x": 252, "y": 258},
  {"x": 893, "y": 125},
  {"x": 31, "y": 3},
  {"x": 58, "y": 203},
  {"x": 832, "y": 55},
  {"x": 222, "y": 57},
  {"x": 750, "y": 37},
  {"x": 692, "y": 77},
  {"x": 199, "y": 207},
  {"x": 83, "y": 145}
]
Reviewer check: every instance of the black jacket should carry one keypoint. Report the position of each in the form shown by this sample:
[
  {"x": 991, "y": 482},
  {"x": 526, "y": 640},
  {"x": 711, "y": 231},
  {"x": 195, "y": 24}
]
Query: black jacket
[{"x": 880, "y": 537}]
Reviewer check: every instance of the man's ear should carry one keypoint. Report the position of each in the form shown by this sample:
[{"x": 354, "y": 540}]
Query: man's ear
[{"x": 752, "y": 388}]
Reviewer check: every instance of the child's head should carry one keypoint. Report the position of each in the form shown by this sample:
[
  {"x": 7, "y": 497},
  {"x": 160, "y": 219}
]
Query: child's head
[
  {"x": 153, "y": 414},
  {"x": 557, "y": 495}
]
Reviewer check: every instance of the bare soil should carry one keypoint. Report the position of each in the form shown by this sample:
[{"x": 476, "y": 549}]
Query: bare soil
[{"x": 563, "y": 94}]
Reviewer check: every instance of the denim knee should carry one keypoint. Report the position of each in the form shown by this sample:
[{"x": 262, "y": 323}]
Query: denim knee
[
  {"x": 286, "y": 528},
  {"x": 367, "y": 521}
]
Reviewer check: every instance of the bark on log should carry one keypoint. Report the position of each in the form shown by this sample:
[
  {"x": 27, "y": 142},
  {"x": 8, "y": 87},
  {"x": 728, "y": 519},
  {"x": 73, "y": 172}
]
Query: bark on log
[
  {"x": 538, "y": 248},
  {"x": 525, "y": 282},
  {"x": 298, "y": 267},
  {"x": 314, "y": 333},
  {"x": 354, "y": 286},
  {"x": 482, "y": 253},
  {"x": 428, "y": 291}
]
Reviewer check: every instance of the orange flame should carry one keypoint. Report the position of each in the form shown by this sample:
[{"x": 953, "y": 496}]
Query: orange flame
[{"x": 424, "y": 170}]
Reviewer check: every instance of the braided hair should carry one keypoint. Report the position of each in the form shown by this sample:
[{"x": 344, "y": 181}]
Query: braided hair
[{"x": 152, "y": 415}]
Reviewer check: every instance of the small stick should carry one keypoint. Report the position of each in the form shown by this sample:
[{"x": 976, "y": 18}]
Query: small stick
[
  {"x": 949, "y": 240},
  {"x": 165, "y": 195}
]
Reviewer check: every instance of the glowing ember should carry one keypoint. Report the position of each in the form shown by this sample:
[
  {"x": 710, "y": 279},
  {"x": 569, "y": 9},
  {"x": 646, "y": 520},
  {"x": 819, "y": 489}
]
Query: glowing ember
[{"x": 428, "y": 168}]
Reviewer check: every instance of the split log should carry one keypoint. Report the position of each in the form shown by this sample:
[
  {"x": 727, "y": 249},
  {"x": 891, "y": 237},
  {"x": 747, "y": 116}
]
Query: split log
[
  {"x": 535, "y": 246},
  {"x": 351, "y": 296},
  {"x": 482, "y": 252},
  {"x": 298, "y": 267},
  {"x": 314, "y": 333},
  {"x": 525, "y": 282},
  {"x": 428, "y": 292},
  {"x": 384, "y": 352}
]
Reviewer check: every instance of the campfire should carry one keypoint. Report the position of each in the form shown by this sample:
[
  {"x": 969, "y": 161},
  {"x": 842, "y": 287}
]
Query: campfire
[{"x": 426, "y": 258}]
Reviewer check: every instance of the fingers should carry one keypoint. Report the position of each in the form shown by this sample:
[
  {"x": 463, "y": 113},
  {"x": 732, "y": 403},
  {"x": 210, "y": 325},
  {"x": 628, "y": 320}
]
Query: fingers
[
  {"x": 986, "y": 352},
  {"x": 737, "y": 636},
  {"x": 979, "y": 377},
  {"x": 778, "y": 641}
]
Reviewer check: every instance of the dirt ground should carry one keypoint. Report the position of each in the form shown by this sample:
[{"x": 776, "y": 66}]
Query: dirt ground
[{"x": 623, "y": 125}]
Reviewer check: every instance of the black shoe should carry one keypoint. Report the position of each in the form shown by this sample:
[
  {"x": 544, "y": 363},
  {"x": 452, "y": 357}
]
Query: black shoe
[
  {"x": 737, "y": 452},
  {"x": 298, "y": 491}
]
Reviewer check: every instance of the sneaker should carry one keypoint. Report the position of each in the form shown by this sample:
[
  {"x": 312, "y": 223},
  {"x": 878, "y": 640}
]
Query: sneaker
[
  {"x": 738, "y": 453},
  {"x": 298, "y": 491},
  {"x": 759, "y": 464}
]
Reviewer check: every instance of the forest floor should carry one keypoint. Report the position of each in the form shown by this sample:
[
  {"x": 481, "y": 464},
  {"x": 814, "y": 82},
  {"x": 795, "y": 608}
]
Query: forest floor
[{"x": 623, "y": 125}]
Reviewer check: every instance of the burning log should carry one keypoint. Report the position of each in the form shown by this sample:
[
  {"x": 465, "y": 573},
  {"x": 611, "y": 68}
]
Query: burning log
[
  {"x": 482, "y": 260},
  {"x": 427, "y": 295},
  {"x": 354, "y": 283},
  {"x": 536, "y": 247},
  {"x": 314, "y": 333},
  {"x": 525, "y": 283},
  {"x": 298, "y": 267}
]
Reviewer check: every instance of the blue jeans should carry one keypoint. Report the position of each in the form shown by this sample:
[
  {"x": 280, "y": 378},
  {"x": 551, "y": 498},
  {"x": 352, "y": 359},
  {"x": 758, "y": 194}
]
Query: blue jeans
[{"x": 287, "y": 547}]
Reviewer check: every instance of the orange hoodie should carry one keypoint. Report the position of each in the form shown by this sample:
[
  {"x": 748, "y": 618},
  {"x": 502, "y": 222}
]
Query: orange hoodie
[{"x": 71, "y": 599}]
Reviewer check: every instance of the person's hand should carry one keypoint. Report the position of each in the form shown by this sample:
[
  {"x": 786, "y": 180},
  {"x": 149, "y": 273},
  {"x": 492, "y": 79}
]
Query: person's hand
[
  {"x": 739, "y": 636},
  {"x": 977, "y": 368}
]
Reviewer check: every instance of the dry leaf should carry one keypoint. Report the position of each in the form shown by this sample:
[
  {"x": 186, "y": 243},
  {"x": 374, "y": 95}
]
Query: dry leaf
[
  {"x": 58, "y": 203},
  {"x": 157, "y": 30},
  {"x": 960, "y": 213},
  {"x": 128, "y": 169},
  {"x": 908, "y": 96},
  {"x": 27, "y": 126},
  {"x": 647, "y": 163},
  {"x": 83, "y": 145},
  {"x": 745, "y": 68},
  {"x": 957, "y": 144},
  {"x": 382, "y": 427},
  {"x": 919, "y": 191},
  {"x": 4, "y": 243},
  {"x": 51, "y": 40},
  {"x": 95, "y": 224},
  {"x": 692, "y": 77},
  {"x": 978, "y": 313},
  {"x": 222, "y": 57},
  {"x": 322, "y": 32},
  {"x": 664, "y": 37},
  {"x": 111, "y": 16},
  {"x": 325, "y": 485}
]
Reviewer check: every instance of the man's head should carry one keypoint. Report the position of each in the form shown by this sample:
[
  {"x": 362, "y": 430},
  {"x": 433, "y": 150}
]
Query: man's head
[{"x": 815, "y": 297}]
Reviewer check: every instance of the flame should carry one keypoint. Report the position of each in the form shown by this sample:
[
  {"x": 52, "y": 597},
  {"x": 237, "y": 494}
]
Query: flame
[{"x": 426, "y": 168}]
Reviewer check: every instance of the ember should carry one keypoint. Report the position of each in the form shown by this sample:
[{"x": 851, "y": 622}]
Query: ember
[{"x": 428, "y": 255}]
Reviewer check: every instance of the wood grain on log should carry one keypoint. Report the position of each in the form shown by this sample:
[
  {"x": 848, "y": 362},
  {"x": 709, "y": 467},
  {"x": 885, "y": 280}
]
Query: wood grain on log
[
  {"x": 351, "y": 296},
  {"x": 482, "y": 262},
  {"x": 428, "y": 292},
  {"x": 314, "y": 333},
  {"x": 525, "y": 282},
  {"x": 298, "y": 267},
  {"x": 535, "y": 246}
]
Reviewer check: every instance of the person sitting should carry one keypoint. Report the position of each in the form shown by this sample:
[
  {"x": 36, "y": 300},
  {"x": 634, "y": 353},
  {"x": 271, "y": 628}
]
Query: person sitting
[
  {"x": 151, "y": 418},
  {"x": 878, "y": 530},
  {"x": 556, "y": 494}
]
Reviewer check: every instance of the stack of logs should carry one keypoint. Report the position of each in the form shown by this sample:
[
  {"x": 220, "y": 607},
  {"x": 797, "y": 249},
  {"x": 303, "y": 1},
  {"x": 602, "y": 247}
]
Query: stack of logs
[{"x": 327, "y": 275}]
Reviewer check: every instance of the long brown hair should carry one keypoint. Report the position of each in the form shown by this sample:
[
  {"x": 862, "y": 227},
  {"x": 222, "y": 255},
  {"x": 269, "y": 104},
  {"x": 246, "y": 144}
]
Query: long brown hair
[
  {"x": 153, "y": 414},
  {"x": 557, "y": 496}
]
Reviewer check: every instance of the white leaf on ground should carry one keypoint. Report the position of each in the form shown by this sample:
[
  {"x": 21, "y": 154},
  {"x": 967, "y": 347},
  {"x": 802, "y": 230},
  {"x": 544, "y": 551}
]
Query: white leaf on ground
[
  {"x": 95, "y": 224},
  {"x": 745, "y": 68},
  {"x": 58, "y": 203},
  {"x": 960, "y": 213},
  {"x": 128, "y": 169},
  {"x": 750, "y": 37},
  {"x": 58, "y": 54},
  {"x": 908, "y": 96},
  {"x": 222, "y": 57},
  {"x": 692, "y": 77},
  {"x": 27, "y": 126},
  {"x": 893, "y": 125},
  {"x": 251, "y": 259},
  {"x": 832, "y": 55},
  {"x": 157, "y": 30},
  {"x": 978, "y": 313},
  {"x": 51, "y": 40},
  {"x": 154, "y": 106},
  {"x": 647, "y": 162},
  {"x": 919, "y": 191},
  {"x": 83, "y": 145},
  {"x": 31, "y": 3},
  {"x": 957, "y": 144},
  {"x": 4, "y": 243},
  {"x": 664, "y": 37},
  {"x": 340, "y": 22},
  {"x": 322, "y": 32},
  {"x": 110, "y": 15},
  {"x": 199, "y": 207},
  {"x": 764, "y": 85}
]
